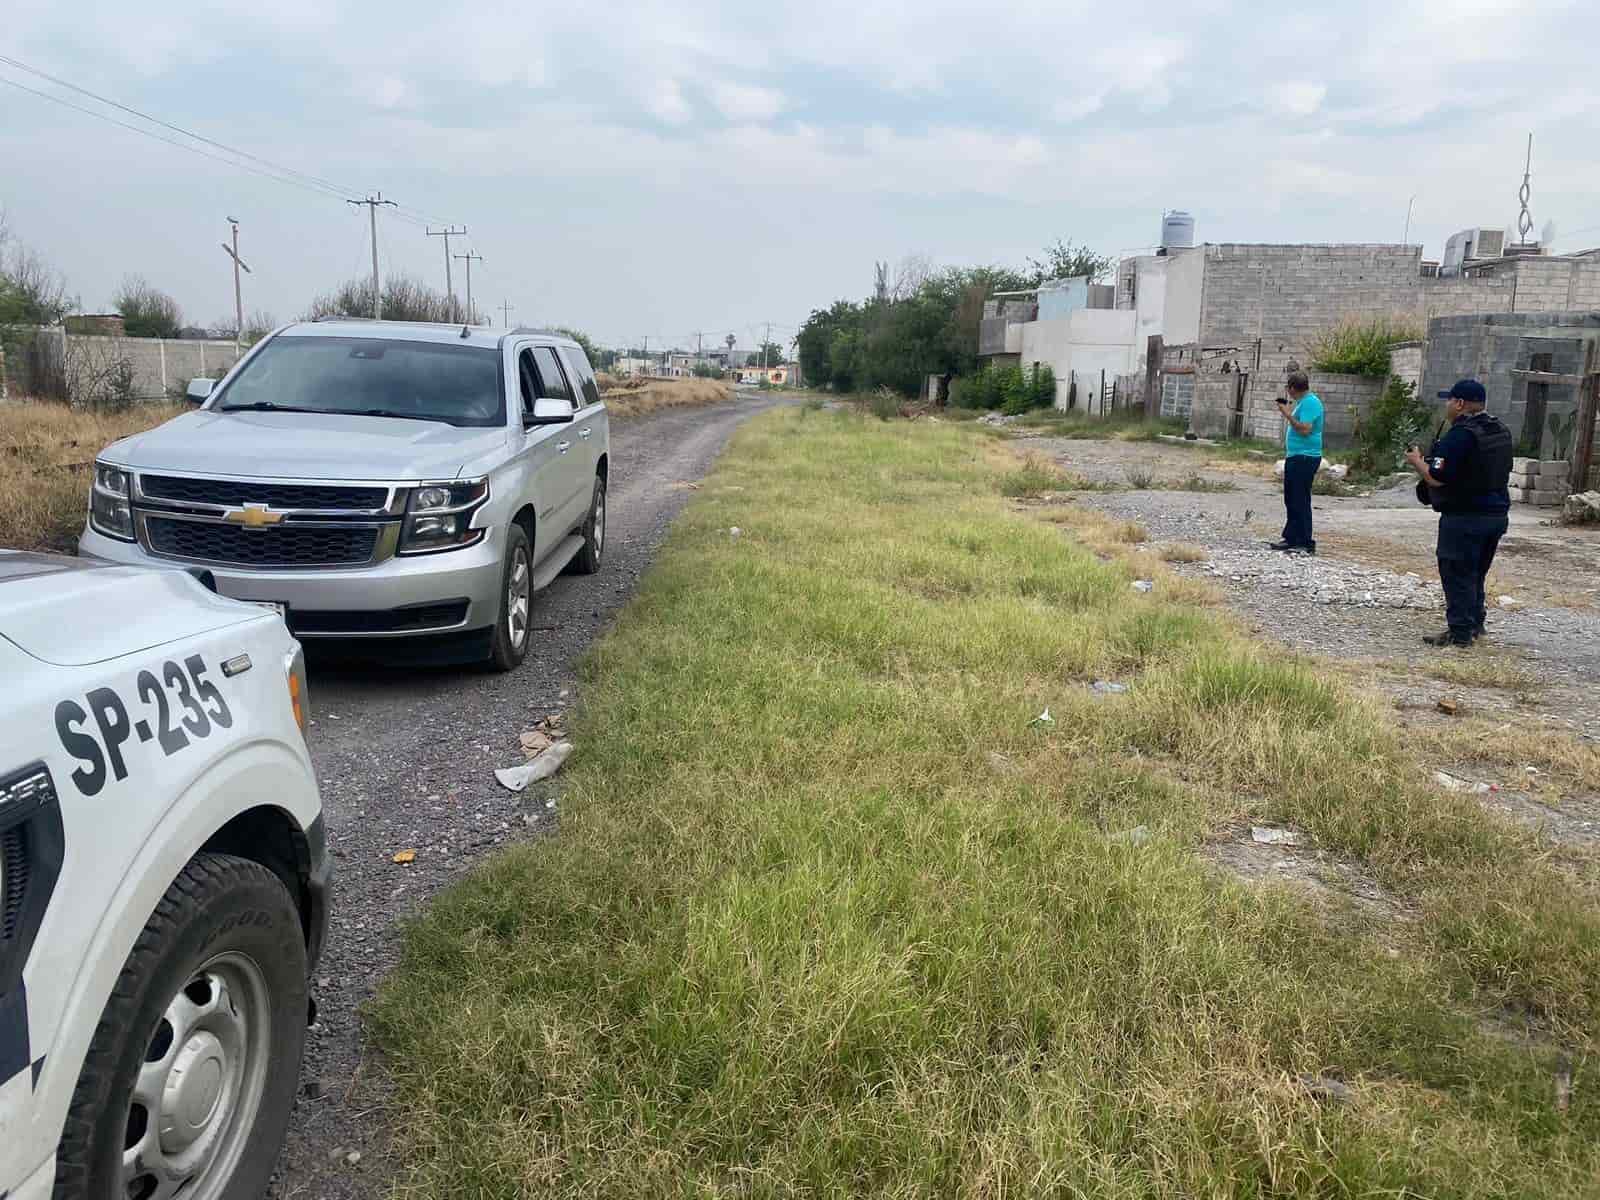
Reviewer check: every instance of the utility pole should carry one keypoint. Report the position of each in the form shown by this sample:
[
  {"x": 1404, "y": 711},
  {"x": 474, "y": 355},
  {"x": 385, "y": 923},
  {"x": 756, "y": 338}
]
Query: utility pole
[
  {"x": 505, "y": 307},
  {"x": 238, "y": 300},
  {"x": 1407, "y": 237},
  {"x": 469, "y": 256},
  {"x": 764, "y": 342},
  {"x": 647, "y": 354},
  {"x": 447, "y": 233},
  {"x": 373, "y": 202}
]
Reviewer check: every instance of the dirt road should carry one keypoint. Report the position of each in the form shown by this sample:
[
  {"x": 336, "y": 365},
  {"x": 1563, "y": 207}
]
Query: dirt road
[{"x": 406, "y": 760}]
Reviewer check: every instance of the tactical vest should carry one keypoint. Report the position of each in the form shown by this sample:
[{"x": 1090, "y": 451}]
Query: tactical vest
[{"x": 1486, "y": 471}]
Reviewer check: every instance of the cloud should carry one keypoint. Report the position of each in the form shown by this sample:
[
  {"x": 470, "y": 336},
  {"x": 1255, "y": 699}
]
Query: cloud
[
  {"x": 743, "y": 102},
  {"x": 832, "y": 129}
]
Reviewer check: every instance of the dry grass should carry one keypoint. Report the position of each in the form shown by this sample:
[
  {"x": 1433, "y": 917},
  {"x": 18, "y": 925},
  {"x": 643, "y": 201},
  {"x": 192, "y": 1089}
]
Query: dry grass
[
  {"x": 1484, "y": 669},
  {"x": 46, "y": 451},
  {"x": 660, "y": 394},
  {"x": 1184, "y": 552}
]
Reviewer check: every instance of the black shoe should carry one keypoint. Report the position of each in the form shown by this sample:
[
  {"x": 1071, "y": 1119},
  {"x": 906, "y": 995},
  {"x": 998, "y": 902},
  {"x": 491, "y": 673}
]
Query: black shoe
[
  {"x": 1447, "y": 638},
  {"x": 1479, "y": 631},
  {"x": 1279, "y": 546},
  {"x": 1311, "y": 550}
]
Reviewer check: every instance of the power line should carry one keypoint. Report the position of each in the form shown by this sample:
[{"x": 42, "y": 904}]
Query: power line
[
  {"x": 169, "y": 141},
  {"x": 313, "y": 179},
  {"x": 273, "y": 170}
]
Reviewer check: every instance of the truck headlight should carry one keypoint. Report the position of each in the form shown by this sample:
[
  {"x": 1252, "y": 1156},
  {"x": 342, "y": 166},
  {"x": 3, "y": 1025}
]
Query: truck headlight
[
  {"x": 109, "y": 510},
  {"x": 439, "y": 516}
]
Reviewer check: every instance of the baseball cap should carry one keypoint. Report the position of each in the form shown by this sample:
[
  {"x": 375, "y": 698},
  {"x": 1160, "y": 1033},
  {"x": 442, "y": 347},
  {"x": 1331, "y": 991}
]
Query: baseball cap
[{"x": 1469, "y": 390}]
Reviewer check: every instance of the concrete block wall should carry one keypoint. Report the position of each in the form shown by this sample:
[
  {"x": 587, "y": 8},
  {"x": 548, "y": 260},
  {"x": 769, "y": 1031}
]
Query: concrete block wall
[
  {"x": 1405, "y": 362},
  {"x": 1211, "y": 410},
  {"x": 1464, "y": 294},
  {"x": 1492, "y": 347},
  {"x": 161, "y": 368},
  {"x": 1347, "y": 401},
  {"x": 1286, "y": 296}
]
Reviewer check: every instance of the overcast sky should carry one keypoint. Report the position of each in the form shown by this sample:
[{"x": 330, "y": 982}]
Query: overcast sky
[{"x": 650, "y": 168}]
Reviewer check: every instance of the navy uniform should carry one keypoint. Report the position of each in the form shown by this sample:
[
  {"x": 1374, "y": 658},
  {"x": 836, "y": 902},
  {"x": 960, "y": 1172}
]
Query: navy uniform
[{"x": 1471, "y": 464}]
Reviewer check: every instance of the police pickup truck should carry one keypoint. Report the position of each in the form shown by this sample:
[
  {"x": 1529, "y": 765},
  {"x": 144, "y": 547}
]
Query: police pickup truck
[{"x": 163, "y": 880}]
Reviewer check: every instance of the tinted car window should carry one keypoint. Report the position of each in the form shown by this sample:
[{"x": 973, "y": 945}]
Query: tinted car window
[
  {"x": 550, "y": 376},
  {"x": 527, "y": 380},
  {"x": 578, "y": 367},
  {"x": 424, "y": 381}
]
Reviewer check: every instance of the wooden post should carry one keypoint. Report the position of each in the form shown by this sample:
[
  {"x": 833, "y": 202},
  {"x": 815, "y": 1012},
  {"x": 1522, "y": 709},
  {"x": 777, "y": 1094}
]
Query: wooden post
[
  {"x": 1588, "y": 408},
  {"x": 1152, "y": 376}
]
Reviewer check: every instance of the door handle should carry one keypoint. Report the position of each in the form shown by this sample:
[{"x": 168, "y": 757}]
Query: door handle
[
  {"x": 563, "y": 446},
  {"x": 584, "y": 433}
]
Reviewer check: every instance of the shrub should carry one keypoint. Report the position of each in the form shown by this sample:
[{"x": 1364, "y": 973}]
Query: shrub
[
  {"x": 1397, "y": 420},
  {"x": 1360, "y": 345},
  {"x": 884, "y": 404}
]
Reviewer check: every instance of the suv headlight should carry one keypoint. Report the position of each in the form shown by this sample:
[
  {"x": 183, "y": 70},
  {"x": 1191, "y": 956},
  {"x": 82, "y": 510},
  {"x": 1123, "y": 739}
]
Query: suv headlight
[
  {"x": 439, "y": 516},
  {"x": 109, "y": 510}
]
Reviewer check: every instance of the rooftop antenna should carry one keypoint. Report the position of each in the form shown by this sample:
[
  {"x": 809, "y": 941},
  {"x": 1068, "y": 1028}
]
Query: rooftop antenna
[{"x": 1525, "y": 219}]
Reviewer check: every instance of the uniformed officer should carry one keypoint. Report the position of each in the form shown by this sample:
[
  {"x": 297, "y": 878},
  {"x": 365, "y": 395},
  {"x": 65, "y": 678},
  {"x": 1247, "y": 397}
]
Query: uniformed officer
[{"x": 1465, "y": 473}]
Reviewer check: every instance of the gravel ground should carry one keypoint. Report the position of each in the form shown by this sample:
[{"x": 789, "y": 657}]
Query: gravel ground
[
  {"x": 1366, "y": 599},
  {"x": 406, "y": 760},
  {"x": 1353, "y": 600}
]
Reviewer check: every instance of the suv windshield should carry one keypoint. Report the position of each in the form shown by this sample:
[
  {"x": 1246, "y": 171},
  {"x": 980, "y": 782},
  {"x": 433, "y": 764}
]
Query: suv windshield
[{"x": 381, "y": 377}]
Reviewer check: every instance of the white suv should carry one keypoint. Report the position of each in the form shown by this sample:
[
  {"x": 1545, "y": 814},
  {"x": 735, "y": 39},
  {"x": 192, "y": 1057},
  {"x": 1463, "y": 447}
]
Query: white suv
[
  {"x": 407, "y": 484},
  {"x": 163, "y": 883}
]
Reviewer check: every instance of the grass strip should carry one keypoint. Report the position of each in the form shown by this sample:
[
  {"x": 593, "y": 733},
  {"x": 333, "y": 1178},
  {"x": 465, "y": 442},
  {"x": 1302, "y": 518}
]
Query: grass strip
[{"x": 831, "y": 912}]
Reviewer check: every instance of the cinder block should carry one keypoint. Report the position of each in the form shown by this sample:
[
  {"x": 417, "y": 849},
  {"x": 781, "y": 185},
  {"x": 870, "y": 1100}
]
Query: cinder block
[
  {"x": 1523, "y": 481},
  {"x": 1555, "y": 466},
  {"x": 1546, "y": 499},
  {"x": 1519, "y": 495},
  {"x": 1524, "y": 466}
]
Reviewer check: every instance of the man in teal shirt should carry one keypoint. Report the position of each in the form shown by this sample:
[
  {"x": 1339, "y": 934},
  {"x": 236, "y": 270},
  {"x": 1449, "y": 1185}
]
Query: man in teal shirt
[{"x": 1302, "y": 459}]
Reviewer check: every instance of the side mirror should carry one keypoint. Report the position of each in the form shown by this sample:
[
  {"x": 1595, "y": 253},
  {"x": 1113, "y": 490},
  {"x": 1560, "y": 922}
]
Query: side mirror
[
  {"x": 549, "y": 412},
  {"x": 200, "y": 391}
]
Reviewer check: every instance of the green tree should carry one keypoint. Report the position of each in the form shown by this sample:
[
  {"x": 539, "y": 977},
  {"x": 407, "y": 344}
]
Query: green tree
[
  {"x": 771, "y": 354},
  {"x": 146, "y": 310},
  {"x": 1066, "y": 260}
]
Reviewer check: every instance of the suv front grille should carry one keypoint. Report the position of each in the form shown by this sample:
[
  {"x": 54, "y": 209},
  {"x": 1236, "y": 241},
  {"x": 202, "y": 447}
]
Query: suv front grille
[
  {"x": 282, "y": 546},
  {"x": 230, "y": 493}
]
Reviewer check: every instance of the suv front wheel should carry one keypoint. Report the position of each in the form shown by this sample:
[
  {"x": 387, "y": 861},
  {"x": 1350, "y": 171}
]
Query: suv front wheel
[{"x": 509, "y": 645}]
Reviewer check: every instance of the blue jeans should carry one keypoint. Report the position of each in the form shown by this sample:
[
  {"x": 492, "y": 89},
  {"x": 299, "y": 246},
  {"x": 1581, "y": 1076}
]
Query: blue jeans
[
  {"x": 1467, "y": 542},
  {"x": 1298, "y": 472}
]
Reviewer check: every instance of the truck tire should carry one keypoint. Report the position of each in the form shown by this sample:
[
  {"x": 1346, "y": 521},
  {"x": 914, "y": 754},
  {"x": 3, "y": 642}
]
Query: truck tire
[
  {"x": 509, "y": 645},
  {"x": 587, "y": 560},
  {"x": 192, "y": 1070}
]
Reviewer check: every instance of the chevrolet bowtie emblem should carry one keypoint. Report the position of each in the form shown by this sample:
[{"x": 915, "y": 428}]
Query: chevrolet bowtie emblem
[{"x": 252, "y": 516}]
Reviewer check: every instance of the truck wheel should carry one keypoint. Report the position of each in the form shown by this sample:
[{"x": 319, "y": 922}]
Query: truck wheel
[
  {"x": 587, "y": 560},
  {"x": 509, "y": 646},
  {"x": 191, "y": 1073}
]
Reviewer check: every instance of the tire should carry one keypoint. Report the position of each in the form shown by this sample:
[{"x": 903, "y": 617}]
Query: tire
[
  {"x": 216, "y": 986},
  {"x": 587, "y": 560},
  {"x": 506, "y": 648}
]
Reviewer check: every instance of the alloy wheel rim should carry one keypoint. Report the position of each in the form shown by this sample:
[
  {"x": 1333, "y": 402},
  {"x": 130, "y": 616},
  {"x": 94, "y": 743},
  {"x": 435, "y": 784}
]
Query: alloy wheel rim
[
  {"x": 599, "y": 521},
  {"x": 198, "y": 1091},
  {"x": 518, "y": 595}
]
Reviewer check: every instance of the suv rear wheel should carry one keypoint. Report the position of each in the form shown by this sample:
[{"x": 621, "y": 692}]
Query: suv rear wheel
[
  {"x": 509, "y": 645},
  {"x": 191, "y": 1073}
]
